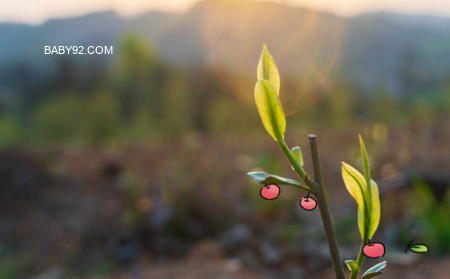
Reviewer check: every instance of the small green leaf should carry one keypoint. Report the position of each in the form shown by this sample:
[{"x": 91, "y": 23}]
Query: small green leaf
[
  {"x": 370, "y": 275},
  {"x": 267, "y": 69},
  {"x": 270, "y": 110},
  {"x": 297, "y": 153},
  {"x": 366, "y": 170},
  {"x": 352, "y": 265},
  {"x": 374, "y": 270},
  {"x": 265, "y": 178},
  {"x": 419, "y": 248}
]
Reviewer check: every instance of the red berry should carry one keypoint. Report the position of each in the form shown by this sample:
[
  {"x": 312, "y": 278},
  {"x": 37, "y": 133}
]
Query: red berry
[
  {"x": 270, "y": 192},
  {"x": 374, "y": 250},
  {"x": 308, "y": 203}
]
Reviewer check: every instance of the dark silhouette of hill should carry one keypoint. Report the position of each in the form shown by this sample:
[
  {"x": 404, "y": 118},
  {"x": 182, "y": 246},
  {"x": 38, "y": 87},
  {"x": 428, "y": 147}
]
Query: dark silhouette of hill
[{"x": 398, "y": 52}]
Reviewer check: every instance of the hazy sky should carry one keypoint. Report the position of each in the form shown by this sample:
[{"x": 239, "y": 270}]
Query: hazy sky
[{"x": 36, "y": 11}]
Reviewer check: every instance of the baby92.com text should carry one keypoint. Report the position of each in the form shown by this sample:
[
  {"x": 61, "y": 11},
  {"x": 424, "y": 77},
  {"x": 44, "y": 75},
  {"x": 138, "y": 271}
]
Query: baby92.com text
[{"x": 78, "y": 50}]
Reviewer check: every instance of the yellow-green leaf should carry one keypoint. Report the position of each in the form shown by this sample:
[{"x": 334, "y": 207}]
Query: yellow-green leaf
[
  {"x": 368, "y": 212},
  {"x": 297, "y": 154},
  {"x": 376, "y": 210},
  {"x": 419, "y": 248},
  {"x": 267, "y": 69},
  {"x": 365, "y": 160},
  {"x": 352, "y": 265},
  {"x": 354, "y": 181},
  {"x": 270, "y": 110}
]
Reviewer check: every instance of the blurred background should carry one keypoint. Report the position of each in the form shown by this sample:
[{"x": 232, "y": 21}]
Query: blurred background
[{"x": 133, "y": 165}]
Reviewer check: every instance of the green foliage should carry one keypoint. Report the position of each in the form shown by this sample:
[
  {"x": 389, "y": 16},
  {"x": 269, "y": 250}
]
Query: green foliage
[
  {"x": 297, "y": 153},
  {"x": 135, "y": 200},
  {"x": 352, "y": 265},
  {"x": 74, "y": 117},
  {"x": 146, "y": 98},
  {"x": 354, "y": 181},
  {"x": 61, "y": 118},
  {"x": 418, "y": 248},
  {"x": 11, "y": 132},
  {"x": 267, "y": 69},
  {"x": 432, "y": 217},
  {"x": 362, "y": 188},
  {"x": 367, "y": 197},
  {"x": 177, "y": 116},
  {"x": 374, "y": 270},
  {"x": 138, "y": 76},
  {"x": 102, "y": 119},
  {"x": 365, "y": 192},
  {"x": 267, "y": 90},
  {"x": 140, "y": 128},
  {"x": 264, "y": 178},
  {"x": 8, "y": 269},
  {"x": 270, "y": 110},
  {"x": 104, "y": 269}
]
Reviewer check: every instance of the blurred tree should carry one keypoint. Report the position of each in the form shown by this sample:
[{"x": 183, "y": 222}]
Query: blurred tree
[
  {"x": 11, "y": 132},
  {"x": 138, "y": 76},
  {"x": 444, "y": 98},
  {"x": 102, "y": 116},
  {"x": 140, "y": 127},
  {"x": 176, "y": 118},
  {"x": 60, "y": 118},
  {"x": 205, "y": 86},
  {"x": 66, "y": 74}
]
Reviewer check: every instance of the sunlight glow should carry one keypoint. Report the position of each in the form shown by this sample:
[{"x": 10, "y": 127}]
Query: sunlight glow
[
  {"x": 31, "y": 11},
  {"x": 35, "y": 12}
]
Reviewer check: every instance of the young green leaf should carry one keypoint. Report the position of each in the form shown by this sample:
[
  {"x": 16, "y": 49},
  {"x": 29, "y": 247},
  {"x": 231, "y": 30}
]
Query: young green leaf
[
  {"x": 368, "y": 210},
  {"x": 376, "y": 210},
  {"x": 354, "y": 182},
  {"x": 352, "y": 265},
  {"x": 267, "y": 69},
  {"x": 265, "y": 178},
  {"x": 370, "y": 275},
  {"x": 418, "y": 248},
  {"x": 374, "y": 270},
  {"x": 297, "y": 154},
  {"x": 366, "y": 168},
  {"x": 270, "y": 110}
]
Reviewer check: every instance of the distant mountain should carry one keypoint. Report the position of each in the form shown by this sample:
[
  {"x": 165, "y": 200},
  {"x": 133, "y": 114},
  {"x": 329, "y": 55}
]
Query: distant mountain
[
  {"x": 397, "y": 51},
  {"x": 387, "y": 50}
]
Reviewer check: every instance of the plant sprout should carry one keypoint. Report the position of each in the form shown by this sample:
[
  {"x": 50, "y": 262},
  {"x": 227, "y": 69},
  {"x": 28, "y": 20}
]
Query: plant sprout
[{"x": 361, "y": 187}]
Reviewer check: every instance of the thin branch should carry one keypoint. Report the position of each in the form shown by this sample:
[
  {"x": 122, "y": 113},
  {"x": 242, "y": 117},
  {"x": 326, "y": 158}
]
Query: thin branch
[{"x": 325, "y": 210}]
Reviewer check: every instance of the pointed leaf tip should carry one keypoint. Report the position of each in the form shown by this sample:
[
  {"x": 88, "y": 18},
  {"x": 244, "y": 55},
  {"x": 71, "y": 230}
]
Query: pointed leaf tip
[
  {"x": 267, "y": 69},
  {"x": 375, "y": 270},
  {"x": 371, "y": 275},
  {"x": 418, "y": 248}
]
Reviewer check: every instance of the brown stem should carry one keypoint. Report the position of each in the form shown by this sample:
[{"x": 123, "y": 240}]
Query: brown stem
[{"x": 325, "y": 210}]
